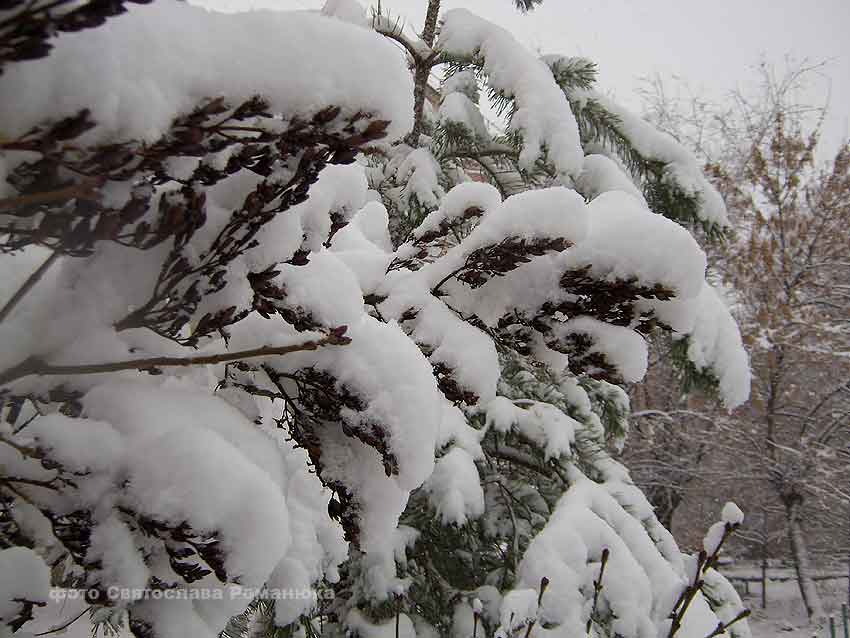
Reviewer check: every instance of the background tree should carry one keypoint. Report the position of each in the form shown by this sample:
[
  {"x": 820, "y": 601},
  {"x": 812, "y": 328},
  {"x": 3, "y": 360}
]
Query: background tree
[{"x": 786, "y": 270}]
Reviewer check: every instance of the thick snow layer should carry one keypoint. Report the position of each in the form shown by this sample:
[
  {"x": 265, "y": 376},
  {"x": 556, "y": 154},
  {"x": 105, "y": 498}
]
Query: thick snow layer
[
  {"x": 360, "y": 626},
  {"x": 232, "y": 484},
  {"x": 340, "y": 190},
  {"x": 681, "y": 165},
  {"x": 456, "y": 108},
  {"x": 639, "y": 585},
  {"x": 420, "y": 173},
  {"x": 463, "y": 82},
  {"x": 732, "y": 514},
  {"x": 394, "y": 381},
  {"x": 618, "y": 238},
  {"x": 184, "y": 456},
  {"x": 542, "y": 423},
  {"x": 623, "y": 347},
  {"x": 714, "y": 340},
  {"x": 721, "y": 589},
  {"x": 627, "y": 240},
  {"x": 465, "y": 350},
  {"x": 542, "y": 114},
  {"x": 713, "y": 537},
  {"x": 364, "y": 246},
  {"x": 325, "y": 288},
  {"x": 502, "y": 414},
  {"x": 169, "y": 55},
  {"x": 95, "y": 293},
  {"x": 348, "y": 10},
  {"x": 601, "y": 174},
  {"x": 23, "y": 577},
  {"x": 519, "y": 608},
  {"x": 457, "y": 202},
  {"x": 455, "y": 429},
  {"x": 454, "y": 489},
  {"x": 552, "y": 213}
]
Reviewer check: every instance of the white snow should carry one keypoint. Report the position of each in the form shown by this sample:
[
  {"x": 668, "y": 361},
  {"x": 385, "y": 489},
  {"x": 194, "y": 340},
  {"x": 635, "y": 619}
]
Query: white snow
[
  {"x": 170, "y": 55},
  {"x": 457, "y": 202},
  {"x": 420, "y": 172},
  {"x": 627, "y": 240},
  {"x": 732, "y": 514},
  {"x": 519, "y": 607},
  {"x": 601, "y": 174},
  {"x": 550, "y": 213},
  {"x": 457, "y": 108},
  {"x": 713, "y": 537},
  {"x": 358, "y": 624},
  {"x": 183, "y": 452},
  {"x": 714, "y": 340},
  {"x": 681, "y": 165},
  {"x": 454, "y": 488},
  {"x": 623, "y": 348},
  {"x": 347, "y": 10},
  {"x": 23, "y": 577},
  {"x": 543, "y": 115}
]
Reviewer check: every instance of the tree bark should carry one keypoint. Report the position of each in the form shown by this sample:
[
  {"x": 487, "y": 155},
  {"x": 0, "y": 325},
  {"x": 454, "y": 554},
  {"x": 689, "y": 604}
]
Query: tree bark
[
  {"x": 665, "y": 500},
  {"x": 802, "y": 566},
  {"x": 422, "y": 71}
]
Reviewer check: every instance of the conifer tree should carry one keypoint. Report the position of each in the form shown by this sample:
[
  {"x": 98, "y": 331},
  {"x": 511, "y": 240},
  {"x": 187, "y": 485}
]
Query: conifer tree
[{"x": 422, "y": 425}]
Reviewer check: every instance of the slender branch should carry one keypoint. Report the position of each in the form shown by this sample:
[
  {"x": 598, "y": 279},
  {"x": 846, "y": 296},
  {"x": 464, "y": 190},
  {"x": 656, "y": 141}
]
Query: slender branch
[
  {"x": 597, "y": 588},
  {"x": 722, "y": 627},
  {"x": 544, "y": 583},
  {"x": 83, "y": 189},
  {"x": 36, "y": 366},
  {"x": 29, "y": 11},
  {"x": 422, "y": 72},
  {"x": 453, "y": 273},
  {"x": 65, "y": 626},
  {"x": 383, "y": 27},
  {"x": 430, "y": 30},
  {"x": 498, "y": 150},
  {"x": 28, "y": 285}
]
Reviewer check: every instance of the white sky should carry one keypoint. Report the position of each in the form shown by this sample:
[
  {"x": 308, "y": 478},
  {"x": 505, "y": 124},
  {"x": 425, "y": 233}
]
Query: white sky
[{"x": 712, "y": 44}]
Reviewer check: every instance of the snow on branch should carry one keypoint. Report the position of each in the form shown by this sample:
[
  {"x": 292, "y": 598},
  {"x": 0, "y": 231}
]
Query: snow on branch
[{"x": 542, "y": 114}]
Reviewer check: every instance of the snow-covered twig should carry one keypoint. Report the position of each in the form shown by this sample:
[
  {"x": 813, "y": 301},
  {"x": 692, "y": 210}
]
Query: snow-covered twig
[
  {"x": 722, "y": 627},
  {"x": 597, "y": 588},
  {"x": 60, "y": 629},
  {"x": 28, "y": 285},
  {"x": 39, "y": 367}
]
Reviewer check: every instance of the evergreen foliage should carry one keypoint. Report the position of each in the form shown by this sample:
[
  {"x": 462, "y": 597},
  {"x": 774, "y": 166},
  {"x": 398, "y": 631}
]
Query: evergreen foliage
[{"x": 432, "y": 438}]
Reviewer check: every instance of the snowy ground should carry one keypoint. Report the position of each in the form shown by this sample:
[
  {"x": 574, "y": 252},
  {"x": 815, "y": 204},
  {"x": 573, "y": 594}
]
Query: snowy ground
[
  {"x": 783, "y": 618},
  {"x": 785, "y": 615}
]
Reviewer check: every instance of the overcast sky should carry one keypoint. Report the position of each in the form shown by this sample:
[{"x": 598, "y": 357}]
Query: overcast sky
[{"x": 712, "y": 44}]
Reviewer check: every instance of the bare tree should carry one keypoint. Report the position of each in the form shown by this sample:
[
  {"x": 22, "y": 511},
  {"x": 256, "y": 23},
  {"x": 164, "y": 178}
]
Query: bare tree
[{"x": 787, "y": 271}]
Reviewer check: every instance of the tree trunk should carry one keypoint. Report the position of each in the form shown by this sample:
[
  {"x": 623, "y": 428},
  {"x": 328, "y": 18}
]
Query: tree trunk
[
  {"x": 422, "y": 72},
  {"x": 800, "y": 554},
  {"x": 664, "y": 499}
]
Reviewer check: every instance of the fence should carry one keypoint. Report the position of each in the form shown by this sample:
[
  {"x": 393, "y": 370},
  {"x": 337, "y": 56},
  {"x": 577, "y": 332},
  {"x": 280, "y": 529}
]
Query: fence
[
  {"x": 742, "y": 583},
  {"x": 844, "y": 621}
]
